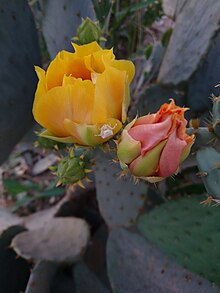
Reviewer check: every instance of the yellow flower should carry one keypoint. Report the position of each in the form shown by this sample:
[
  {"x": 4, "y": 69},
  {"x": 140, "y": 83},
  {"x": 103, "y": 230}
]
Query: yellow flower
[{"x": 83, "y": 97}]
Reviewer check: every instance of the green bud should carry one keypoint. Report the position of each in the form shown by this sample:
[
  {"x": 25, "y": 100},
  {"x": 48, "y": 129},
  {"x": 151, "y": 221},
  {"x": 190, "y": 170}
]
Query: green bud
[
  {"x": 70, "y": 170},
  {"x": 88, "y": 31}
]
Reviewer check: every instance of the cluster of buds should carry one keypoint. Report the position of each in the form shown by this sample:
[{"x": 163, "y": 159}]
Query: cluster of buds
[{"x": 88, "y": 94}]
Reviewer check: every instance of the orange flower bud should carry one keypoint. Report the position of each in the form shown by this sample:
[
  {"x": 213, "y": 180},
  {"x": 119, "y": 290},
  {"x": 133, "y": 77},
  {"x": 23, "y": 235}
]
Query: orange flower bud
[{"x": 153, "y": 146}]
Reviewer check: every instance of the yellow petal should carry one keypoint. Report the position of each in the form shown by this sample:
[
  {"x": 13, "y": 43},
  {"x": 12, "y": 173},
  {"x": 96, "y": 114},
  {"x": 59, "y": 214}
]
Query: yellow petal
[
  {"x": 68, "y": 80},
  {"x": 41, "y": 87},
  {"x": 74, "y": 102},
  {"x": 85, "y": 50},
  {"x": 82, "y": 95},
  {"x": 126, "y": 65},
  {"x": 92, "y": 135},
  {"x": 110, "y": 91},
  {"x": 65, "y": 63},
  {"x": 97, "y": 61}
]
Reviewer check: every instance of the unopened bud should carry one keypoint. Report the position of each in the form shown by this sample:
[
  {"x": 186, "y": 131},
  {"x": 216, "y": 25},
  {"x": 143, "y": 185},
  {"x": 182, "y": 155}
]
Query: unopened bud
[{"x": 88, "y": 31}]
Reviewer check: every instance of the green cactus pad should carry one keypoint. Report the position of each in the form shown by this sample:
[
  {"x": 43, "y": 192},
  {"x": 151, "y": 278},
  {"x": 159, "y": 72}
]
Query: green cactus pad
[
  {"x": 173, "y": 7},
  {"x": 208, "y": 160},
  {"x": 120, "y": 200},
  {"x": 135, "y": 265},
  {"x": 41, "y": 277},
  {"x": 60, "y": 22},
  {"x": 81, "y": 273},
  {"x": 195, "y": 27},
  {"x": 14, "y": 272},
  {"x": 19, "y": 52},
  {"x": 158, "y": 95},
  {"x": 202, "y": 83},
  {"x": 60, "y": 240},
  {"x": 187, "y": 231}
]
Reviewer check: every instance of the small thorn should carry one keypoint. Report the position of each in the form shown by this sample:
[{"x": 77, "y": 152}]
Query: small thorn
[
  {"x": 59, "y": 183},
  {"x": 88, "y": 180},
  {"x": 202, "y": 174},
  {"x": 81, "y": 184},
  {"x": 88, "y": 171}
]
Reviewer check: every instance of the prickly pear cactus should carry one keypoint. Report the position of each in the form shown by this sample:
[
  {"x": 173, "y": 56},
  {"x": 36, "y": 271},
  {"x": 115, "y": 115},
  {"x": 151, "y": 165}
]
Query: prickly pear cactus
[
  {"x": 136, "y": 265},
  {"x": 14, "y": 272},
  {"x": 120, "y": 200},
  {"x": 60, "y": 22},
  {"x": 19, "y": 52},
  {"x": 173, "y": 7},
  {"x": 158, "y": 95},
  {"x": 208, "y": 160},
  {"x": 60, "y": 240},
  {"x": 41, "y": 277},
  {"x": 194, "y": 30},
  {"x": 187, "y": 231},
  {"x": 205, "y": 78}
]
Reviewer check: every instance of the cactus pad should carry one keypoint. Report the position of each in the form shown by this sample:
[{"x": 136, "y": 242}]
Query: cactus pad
[
  {"x": 60, "y": 240},
  {"x": 208, "y": 160},
  {"x": 136, "y": 265},
  {"x": 120, "y": 200},
  {"x": 195, "y": 27},
  {"x": 187, "y": 231}
]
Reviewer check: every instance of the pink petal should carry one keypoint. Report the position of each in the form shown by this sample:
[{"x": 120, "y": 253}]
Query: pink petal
[
  {"x": 170, "y": 157},
  {"x": 150, "y": 134},
  {"x": 147, "y": 119}
]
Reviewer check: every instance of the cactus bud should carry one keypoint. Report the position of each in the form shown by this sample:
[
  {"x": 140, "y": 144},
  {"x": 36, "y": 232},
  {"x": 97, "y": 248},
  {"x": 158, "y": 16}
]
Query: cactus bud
[
  {"x": 88, "y": 31},
  {"x": 153, "y": 146},
  {"x": 70, "y": 170}
]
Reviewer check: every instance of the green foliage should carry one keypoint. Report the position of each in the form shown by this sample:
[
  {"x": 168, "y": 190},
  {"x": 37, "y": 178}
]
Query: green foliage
[
  {"x": 148, "y": 51},
  {"x": 102, "y": 9},
  {"x": 124, "y": 22},
  {"x": 188, "y": 232},
  {"x": 153, "y": 12},
  {"x": 26, "y": 192},
  {"x": 166, "y": 37}
]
